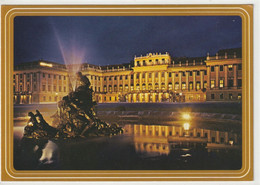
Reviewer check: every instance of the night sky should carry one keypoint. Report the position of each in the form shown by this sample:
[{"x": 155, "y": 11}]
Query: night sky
[{"x": 116, "y": 40}]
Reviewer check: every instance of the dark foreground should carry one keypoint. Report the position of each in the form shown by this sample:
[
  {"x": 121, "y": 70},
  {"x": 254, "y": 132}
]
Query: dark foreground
[{"x": 212, "y": 141}]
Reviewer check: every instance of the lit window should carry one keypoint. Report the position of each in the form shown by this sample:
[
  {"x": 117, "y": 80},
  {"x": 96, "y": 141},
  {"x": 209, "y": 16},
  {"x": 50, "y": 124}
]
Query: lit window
[
  {"x": 230, "y": 67},
  {"x": 143, "y": 86},
  {"x": 183, "y": 86},
  {"x": 115, "y": 87},
  {"x": 198, "y": 85},
  {"x": 176, "y": 86},
  {"x": 156, "y": 86},
  {"x": 126, "y": 87},
  {"x": 150, "y": 87},
  {"x": 239, "y": 96},
  {"x": 221, "y": 83},
  {"x": 170, "y": 86},
  {"x": 120, "y": 88},
  {"x": 212, "y": 83},
  {"x": 105, "y": 88},
  {"x": 191, "y": 85},
  {"x": 110, "y": 88},
  {"x": 230, "y": 96}
]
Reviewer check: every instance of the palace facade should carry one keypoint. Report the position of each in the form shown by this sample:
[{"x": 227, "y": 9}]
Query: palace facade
[{"x": 154, "y": 77}]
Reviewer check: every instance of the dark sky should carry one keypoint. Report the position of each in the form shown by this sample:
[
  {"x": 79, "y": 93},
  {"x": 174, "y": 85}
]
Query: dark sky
[{"x": 115, "y": 40}]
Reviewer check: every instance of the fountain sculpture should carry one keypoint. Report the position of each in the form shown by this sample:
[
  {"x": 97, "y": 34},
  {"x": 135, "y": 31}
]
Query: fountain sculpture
[{"x": 75, "y": 117}]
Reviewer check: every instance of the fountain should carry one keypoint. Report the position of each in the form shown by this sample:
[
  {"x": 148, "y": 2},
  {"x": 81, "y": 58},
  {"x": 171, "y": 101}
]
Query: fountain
[{"x": 75, "y": 117}]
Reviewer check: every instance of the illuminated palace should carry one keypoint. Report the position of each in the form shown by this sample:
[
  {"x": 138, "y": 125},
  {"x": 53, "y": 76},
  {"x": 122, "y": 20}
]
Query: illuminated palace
[{"x": 154, "y": 77}]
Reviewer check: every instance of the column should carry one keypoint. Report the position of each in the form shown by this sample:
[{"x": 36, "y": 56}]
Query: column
[
  {"x": 217, "y": 137},
  {"x": 52, "y": 83},
  {"x": 140, "y": 81},
  {"x": 201, "y": 79},
  {"x": 113, "y": 83},
  {"x": 194, "y": 79},
  {"x": 160, "y": 80},
  {"x": 173, "y": 81},
  {"x": 129, "y": 83},
  {"x": 31, "y": 82},
  {"x": 187, "y": 80},
  {"x": 24, "y": 82},
  {"x": 146, "y": 81},
  {"x": 101, "y": 84},
  {"x": 226, "y": 75},
  {"x": 208, "y": 77},
  {"x": 38, "y": 81},
  {"x": 235, "y": 75},
  {"x": 217, "y": 76},
  {"x": 123, "y": 83},
  {"x": 166, "y": 80},
  {"x": 118, "y": 78},
  {"x": 153, "y": 83},
  {"x": 180, "y": 76},
  {"x": 17, "y": 83},
  {"x": 134, "y": 81}
]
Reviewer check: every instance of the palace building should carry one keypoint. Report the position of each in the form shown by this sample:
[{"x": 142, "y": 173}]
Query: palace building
[{"x": 154, "y": 77}]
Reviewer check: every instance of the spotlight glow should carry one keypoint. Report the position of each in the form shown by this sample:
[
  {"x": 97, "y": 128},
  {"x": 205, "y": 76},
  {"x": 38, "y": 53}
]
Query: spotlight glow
[
  {"x": 186, "y": 126},
  {"x": 186, "y": 116}
]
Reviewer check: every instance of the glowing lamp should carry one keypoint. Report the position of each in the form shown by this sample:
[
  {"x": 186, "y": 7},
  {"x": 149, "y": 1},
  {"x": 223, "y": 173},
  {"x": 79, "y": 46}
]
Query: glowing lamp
[
  {"x": 45, "y": 64},
  {"x": 30, "y": 124},
  {"x": 186, "y": 126},
  {"x": 186, "y": 116}
]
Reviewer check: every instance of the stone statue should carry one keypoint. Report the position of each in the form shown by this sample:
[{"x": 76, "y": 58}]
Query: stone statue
[{"x": 75, "y": 116}]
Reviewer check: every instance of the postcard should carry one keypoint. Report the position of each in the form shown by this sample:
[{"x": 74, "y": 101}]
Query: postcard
[{"x": 127, "y": 92}]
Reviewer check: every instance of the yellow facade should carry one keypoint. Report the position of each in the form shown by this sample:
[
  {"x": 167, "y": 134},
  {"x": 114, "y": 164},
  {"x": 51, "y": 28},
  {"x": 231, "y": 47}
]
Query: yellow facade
[{"x": 151, "y": 78}]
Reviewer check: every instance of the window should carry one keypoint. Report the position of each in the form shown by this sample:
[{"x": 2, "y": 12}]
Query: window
[
  {"x": 64, "y": 78},
  {"x": 170, "y": 75},
  {"x": 156, "y": 75},
  {"x": 230, "y": 67},
  {"x": 56, "y": 98},
  {"x": 49, "y": 98},
  {"x": 132, "y": 77},
  {"x": 44, "y": 98},
  {"x": 239, "y": 82},
  {"x": 49, "y": 76},
  {"x": 60, "y": 88},
  {"x": 230, "y": 96},
  {"x": 212, "y": 68},
  {"x": 190, "y": 73},
  {"x": 163, "y": 86},
  {"x": 105, "y": 78},
  {"x": 221, "y": 68},
  {"x": 205, "y": 84},
  {"x": 115, "y": 78},
  {"x": 176, "y": 86},
  {"x": 198, "y": 85},
  {"x": 176, "y": 75},
  {"x": 43, "y": 75},
  {"x": 221, "y": 96},
  {"x": 43, "y": 87},
  {"x": 150, "y": 87},
  {"x": 239, "y": 66},
  {"x": 198, "y": 73},
  {"x": 212, "y": 96},
  {"x": 126, "y": 87},
  {"x": 105, "y": 88},
  {"x": 156, "y": 86},
  {"x": 131, "y": 87},
  {"x": 143, "y": 86},
  {"x": 34, "y": 87},
  {"x": 191, "y": 85},
  {"x": 115, "y": 87},
  {"x": 110, "y": 88},
  {"x": 54, "y": 76},
  {"x": 212, "y": 83},
  {"x": 49, "y": 88},
  {"x": 126, "y": 77},
  {"x": 64, "y": 89},
  {"x": 221, "y": 83},
  {"x": 120, "y": 88},
  {"x": 120, "y": 77},
  {"x": 28, "y": 87},
  {"x": 183, "y": 74},
  {"x": 205, "y": 72},
  {"x": 150, "y": 75},
  {"x": 230, "y": 83},
  {"x": 162, "y": 74},
  {"x": 110, "y": 78},
  {"x": 183, "y": 85},
  {"x": 239, "y": 96},
  {"x": 170, "y": 86},
  {"x": 59, "y": 77}
]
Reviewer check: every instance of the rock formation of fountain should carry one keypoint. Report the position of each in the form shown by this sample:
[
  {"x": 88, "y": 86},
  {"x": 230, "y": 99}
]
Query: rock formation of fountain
[{"x": 75, "y": 117}]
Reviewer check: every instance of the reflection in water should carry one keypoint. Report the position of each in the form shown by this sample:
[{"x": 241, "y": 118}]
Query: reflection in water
[
  {"x": 162, "y": 139},
  {"x": 141, "y": 147}
]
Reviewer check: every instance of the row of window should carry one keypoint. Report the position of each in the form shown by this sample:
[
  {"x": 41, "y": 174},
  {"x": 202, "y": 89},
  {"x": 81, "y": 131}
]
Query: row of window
[
  {"x": 44, "y": 75},
  {"x": 52, "y": 99},
  {"x": 230, "y": 96},
  {"x": 230, "y": 67}
]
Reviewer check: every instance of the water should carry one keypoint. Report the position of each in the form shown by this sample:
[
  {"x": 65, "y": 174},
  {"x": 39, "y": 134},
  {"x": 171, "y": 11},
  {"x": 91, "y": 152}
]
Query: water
[{"x": 211, "y": 141}]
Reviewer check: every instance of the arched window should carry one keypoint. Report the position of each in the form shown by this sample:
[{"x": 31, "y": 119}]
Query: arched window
[
  {"x": 150, "y": 87},
  {"x": 156, "y": 86},
  {"x": 105, "y": 88},
  {"x": 176, "y": 86},
  {"x": 170, "y": 86},
  {"x": 137, "y": 87},
  {"x": 163, "y": 86},
  {"x": 143, "y": 86}
]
